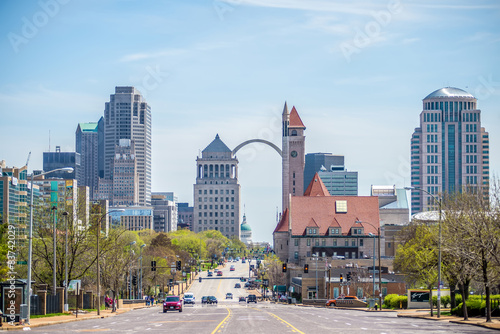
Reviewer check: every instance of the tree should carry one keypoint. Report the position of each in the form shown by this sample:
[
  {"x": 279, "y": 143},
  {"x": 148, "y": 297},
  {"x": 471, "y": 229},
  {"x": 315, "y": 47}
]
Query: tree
[
  {"x": 473, "y": 222},
  {"x": 273, "y": 269},
  {"x": 416, "y": 257}
]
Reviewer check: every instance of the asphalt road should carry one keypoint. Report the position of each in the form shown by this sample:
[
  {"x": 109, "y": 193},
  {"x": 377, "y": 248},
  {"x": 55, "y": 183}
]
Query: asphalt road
[{"x": 231, "y": 316}]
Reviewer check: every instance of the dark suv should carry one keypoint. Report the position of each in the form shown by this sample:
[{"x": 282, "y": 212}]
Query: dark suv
[{"x": 252, "y": 299}]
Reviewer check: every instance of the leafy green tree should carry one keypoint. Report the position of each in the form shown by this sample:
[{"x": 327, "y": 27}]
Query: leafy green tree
[
  {"x": 3, "y": 250},
  {"x": 416, "y": 257}
]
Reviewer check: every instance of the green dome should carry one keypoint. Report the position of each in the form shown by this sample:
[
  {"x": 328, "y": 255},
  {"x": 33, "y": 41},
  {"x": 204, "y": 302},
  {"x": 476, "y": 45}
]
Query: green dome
[{"x": 245, "y": 227}]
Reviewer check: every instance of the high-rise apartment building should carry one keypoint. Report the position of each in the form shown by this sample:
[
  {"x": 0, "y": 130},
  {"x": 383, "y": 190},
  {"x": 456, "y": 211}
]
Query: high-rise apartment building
[
  {"x": 125, "y": 178},
  {"x": 332, "y": 171},
  {"x": 450, "y": 149},
  {"x": 164, "y": 211},
  {"x": 14, "y": 202},
  {"x": 128, "y": 116},
  {"x": 90, "y": 145},
  {"x": 217, "y": 191}
]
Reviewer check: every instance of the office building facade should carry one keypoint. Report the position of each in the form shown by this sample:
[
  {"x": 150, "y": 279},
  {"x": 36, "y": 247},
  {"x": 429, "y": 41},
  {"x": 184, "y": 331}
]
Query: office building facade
[
  {"x": 128, "y": 116},
  {"x": 89, "y": 144},
  {"x": 58, "y": 159},
  {"x": 164, "y": 212},
  {"x": 450, "y": 149},
  {"x": 14, "y": 201},
  {"x": 217, "y": 191}
]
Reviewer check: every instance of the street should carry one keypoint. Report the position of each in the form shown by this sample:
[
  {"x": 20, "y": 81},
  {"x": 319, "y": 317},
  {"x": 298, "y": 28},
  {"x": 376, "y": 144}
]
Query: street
[{"x": 231, "y": 316}]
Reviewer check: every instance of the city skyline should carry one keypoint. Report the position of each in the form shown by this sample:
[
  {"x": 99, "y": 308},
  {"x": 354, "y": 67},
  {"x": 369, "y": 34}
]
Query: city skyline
[{"x": 356, "y": 73}]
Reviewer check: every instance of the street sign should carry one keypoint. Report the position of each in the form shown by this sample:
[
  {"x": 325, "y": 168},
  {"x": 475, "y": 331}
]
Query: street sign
[{"x": 22, "y": 262}]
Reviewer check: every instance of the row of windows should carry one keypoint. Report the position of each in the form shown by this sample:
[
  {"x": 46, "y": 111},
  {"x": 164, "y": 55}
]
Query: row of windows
[
  {"x": 432, "y": 138},
  {"x": 335, "y": 242},
  {"x": 433, "y": 190},
  {"x": 214, "y": 214},
  {"x": 432, "y": 128},
  {"x": 471, "y": 169},
  {"x": 471, "y": 138},
  {"x": 432, "y": 180},
  {"x": 432, "y": 169},
  {"x": 216, "y": 229},
  {"x": 215, "y": 191},
  {"x": 470, "y": 148},
  {"x": 450, "y": 105},
  {"x": 470, "y": 127},
  {"x": 210, "y": 221},
  {"x": 205, "y": 207},
  {"x": 432, "y": 149},
  {"x": 432, "y": 117},
  {"x": 432, "y": 159},
  {"x": 471, "y": 179},
  {"x": 214, "y": 199}
]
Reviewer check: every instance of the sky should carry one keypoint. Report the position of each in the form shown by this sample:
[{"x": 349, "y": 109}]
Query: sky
[{"x": 356, "y": 71}]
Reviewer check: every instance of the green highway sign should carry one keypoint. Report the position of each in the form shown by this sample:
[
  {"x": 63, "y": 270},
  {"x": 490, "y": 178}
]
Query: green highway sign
[{"x": 22, "y": 262}]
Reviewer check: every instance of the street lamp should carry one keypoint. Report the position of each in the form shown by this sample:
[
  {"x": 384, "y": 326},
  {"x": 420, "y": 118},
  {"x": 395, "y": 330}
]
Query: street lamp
[
  {"x": 130, "y": 271},
  {"x": 315, "y": 257},
  {"x": 379, "y": 263},
  {"x": 98, "y": 234},
  {"x": 66, "y": 306},
  {"x": 30, "y": 237},
  {"x": 140, "y": 266},
  {"x": 54, "y": 283},
  {"x": 439, "y": 245}
]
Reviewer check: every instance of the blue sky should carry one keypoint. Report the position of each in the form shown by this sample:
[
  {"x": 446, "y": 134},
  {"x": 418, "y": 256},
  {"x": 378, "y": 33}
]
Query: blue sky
[{"x": 356, "y": 71}]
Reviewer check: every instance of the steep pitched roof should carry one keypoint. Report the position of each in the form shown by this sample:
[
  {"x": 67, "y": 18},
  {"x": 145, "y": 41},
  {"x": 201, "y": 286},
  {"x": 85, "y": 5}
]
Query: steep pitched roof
[
  {"x": 283, "y": 223},
  {"x": 323, "y": 210},
  {"x": 295, "y": 121},
  {"x": 316, "y": 187},
  {"x": 217, "y": 145}
]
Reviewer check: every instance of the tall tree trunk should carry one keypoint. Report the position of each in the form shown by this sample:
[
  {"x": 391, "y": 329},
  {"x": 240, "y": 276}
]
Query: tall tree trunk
[
  {"x": 486, "y": 286},
  {"x": 466, "y": 289},
  {"x": 453, "y": 302},
  {"x": 464, "y": 305},
  {"x": 430, "y": 301}
]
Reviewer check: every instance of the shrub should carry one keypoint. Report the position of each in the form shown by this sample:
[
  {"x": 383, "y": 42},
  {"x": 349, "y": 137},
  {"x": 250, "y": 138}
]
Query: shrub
[
  {"x": 401, "y": 301},
  {"x": 474, "y": 307},
  {"x": 388, "y": 300}
]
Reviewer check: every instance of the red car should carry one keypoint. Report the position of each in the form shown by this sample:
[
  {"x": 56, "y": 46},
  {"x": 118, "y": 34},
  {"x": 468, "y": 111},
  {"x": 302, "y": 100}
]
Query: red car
[
  {"x": 219, "y": 273},
  {"x": 172, "y": 303},
  {"x": 232, "y": 268}
]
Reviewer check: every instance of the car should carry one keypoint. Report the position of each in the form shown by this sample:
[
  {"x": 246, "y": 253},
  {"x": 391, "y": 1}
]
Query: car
[
  {"x": 229, "y": 295},
  {"x": 219, "y": 273},
  {"x": 204, "y": 299},
  {"x": 210, "y": 274},
  {"x": 242, "y": 299},
  {"x": 172, "y": 303},
  {"x": 243, "y": 261},
  {"x": 232, "y": 268},
  {"x": 211, "y": 300},
  {"x": 189, "y": 298},
  {"x": 345, "y": 301},
  {"x": 252, "y": 299},
  {"x": 237, "y": 285},
  {"x": 247, "y": 285}
]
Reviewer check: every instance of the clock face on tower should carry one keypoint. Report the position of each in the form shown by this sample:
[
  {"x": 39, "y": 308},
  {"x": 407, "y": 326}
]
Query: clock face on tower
[{"x": 293, "y": 154}]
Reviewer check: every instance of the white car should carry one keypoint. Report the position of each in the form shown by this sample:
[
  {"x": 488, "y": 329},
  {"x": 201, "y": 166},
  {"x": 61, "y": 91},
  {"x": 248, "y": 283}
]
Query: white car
[{"x": 188, "y": 298}]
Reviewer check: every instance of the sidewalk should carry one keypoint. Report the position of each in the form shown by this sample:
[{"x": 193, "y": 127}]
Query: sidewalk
[
  {"x": 37, "y": 322},
  {"x": 425, "y": 314}
]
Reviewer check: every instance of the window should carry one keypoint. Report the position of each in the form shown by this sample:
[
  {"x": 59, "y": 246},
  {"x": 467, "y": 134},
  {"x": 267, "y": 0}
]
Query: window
[
  {"x": 346, "y": 243},
  {"x": 316, "y": 242},
  {"x": 341, "y": 206},
  {"x": 296, "y": 241},
  {"x": 296, "y": 255},
  {"x": 360, "y": 242},
  {"x": 308, "y": 242},
  {"x": 323, "y": 242}
]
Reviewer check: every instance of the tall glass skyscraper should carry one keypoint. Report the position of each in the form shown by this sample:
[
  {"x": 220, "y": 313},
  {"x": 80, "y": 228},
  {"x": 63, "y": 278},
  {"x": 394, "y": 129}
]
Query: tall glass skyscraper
[
  {"x": 450, "y": 149},
  {"x": 128, "y": 116}
]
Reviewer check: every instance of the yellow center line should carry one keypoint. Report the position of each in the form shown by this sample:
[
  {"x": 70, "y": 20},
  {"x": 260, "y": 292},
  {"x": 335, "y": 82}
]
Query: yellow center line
[
  {"x": 223, "y": 321},
  {"x": 283, "y": 321}
]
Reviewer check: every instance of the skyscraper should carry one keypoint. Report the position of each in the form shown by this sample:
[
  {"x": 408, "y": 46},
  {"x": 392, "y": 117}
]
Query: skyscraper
[
  {"x": 58, "y": 159},
  {"x": 89, "y": 144},
  {"x": 332, "y": 171},
  {"x": 450, "y": 149},
  {"x": 217, "y": 191},
  {"x": 293, "y": 155},
  {"x": 128, "y": 116}
]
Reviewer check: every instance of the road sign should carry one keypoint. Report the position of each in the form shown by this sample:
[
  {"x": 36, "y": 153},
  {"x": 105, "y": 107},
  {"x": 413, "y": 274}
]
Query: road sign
[{"x": 22, "y": 262}]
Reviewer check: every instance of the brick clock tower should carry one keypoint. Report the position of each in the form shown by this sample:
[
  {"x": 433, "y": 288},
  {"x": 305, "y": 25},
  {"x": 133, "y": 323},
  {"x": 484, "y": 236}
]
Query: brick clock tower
[{"x": 293, "y": 155}]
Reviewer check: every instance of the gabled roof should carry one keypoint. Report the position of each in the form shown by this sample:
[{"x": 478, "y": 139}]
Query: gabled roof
[
  {"x": 295, "y": 121},
  {"x": 316, "y": 187},
  {"x": 322, "y": 209},
  {"x": 312, "y": 223},
  {"x": 217, "y": 145}
]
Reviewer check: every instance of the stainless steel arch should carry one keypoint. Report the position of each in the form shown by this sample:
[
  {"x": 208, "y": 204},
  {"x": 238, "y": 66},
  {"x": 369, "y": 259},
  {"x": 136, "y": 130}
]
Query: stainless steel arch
[{"x": 276, "y": 148}]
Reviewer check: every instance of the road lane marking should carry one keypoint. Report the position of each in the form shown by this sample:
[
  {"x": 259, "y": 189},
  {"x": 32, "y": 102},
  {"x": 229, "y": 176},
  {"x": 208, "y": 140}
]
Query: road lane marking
[
  {"x": 285, "y": 322},
  {"x": 223, "y": 321}
]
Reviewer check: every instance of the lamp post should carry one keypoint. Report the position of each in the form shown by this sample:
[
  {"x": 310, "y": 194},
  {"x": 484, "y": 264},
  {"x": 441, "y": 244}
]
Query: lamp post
[
  {"x": 140, "y": 267},
  {"x": 439, "y": 245},
  {"x": 130, "y": 272},
  {"x": 379, "y": 263},
  {"x": 98, "y": 235},
  {"x": 315, "y": 256},
  {"x": 54, "y": 283},
  {"x": 66, "y": 306},
  {"x": 30, "y": 238}
]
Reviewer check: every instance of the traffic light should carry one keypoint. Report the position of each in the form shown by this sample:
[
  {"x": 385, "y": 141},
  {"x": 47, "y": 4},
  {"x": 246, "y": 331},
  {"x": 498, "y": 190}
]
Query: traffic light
[
  {"x": 348, "y": 277},
  {"x": 341, "y": 278},
  {"x": 179, "y": 265},
  {"x": 153, "y": 265},
  {"x": 306, "y": 268},
  {"x": 134, "y": 280},
  {"x": 284, "y": 267}
]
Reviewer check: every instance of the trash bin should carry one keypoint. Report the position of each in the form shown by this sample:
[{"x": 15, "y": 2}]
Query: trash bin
[
  {"x": 371, "y": 302},
  {"x": 24, "y": 311}
]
